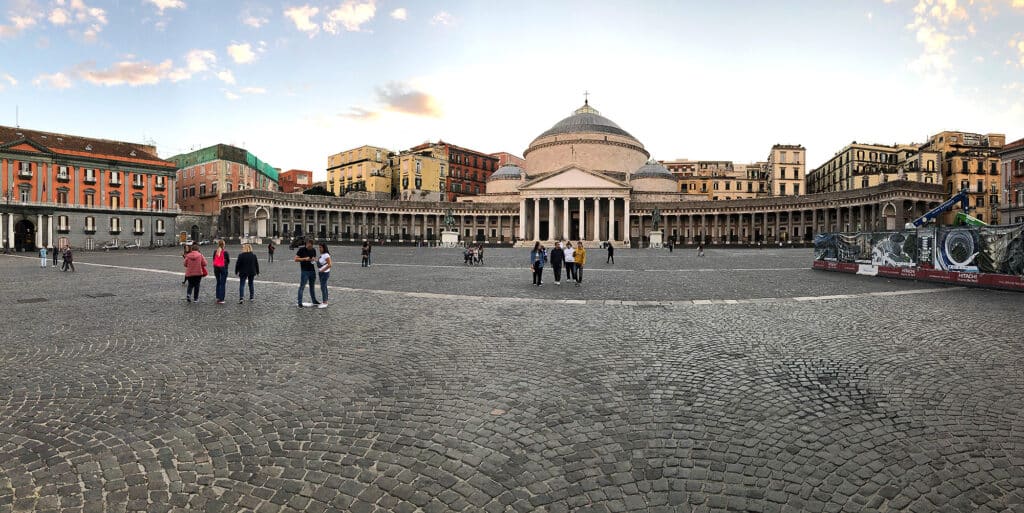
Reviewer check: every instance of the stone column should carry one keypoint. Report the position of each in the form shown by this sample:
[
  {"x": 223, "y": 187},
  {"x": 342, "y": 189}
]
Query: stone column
[
  {"x": 689, "y": 222},
  {"x": 715, "y": 233},
  {"x": 522, "y": 219},
  {"x": 814, "y": 222},
  {"x": 536, "y": 219},
  {"x": 597, "y": 219},
  {"x": 551, "y": 218},
  {"x": 39, "y": 230},
  {"x": 611, "y": 219},
  {"x": 10, "y": 231},
  {"x": 49, "y": 231},
  {"x": 625, "y": 221},
  {"x": 764, "y": 226},
  {"x": 565, "y": 217},
  {"x": 583, "y": 219}
]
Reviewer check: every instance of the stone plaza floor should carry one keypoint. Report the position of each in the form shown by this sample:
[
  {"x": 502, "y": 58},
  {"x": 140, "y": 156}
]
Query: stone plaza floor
[{"x": 742, "y": 381}]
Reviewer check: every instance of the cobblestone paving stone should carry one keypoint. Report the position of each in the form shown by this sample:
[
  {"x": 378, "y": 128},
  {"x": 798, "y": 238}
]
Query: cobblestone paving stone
[{"x": 116, "y": 395}]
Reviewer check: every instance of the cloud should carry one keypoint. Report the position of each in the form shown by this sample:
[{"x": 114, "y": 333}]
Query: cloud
[
  {"x": 302, "y": 17},
  {"x": 1018, "y": 3},
  {"x": 55, "y": 81},
  {"x": 241, "y": 53},
  {"x": 402, "y": 14},
  {"x": 442, "y": 18},
  {"x": 59, "y": 17},
  {"x": 226, "y": 76},
  {"x": 350, "y": 15},
  {"x": 10, "y": 80},
  {"x": 253, "y": 90},
  {"x": 231, "y": 96},
  {"x": 256, "y": 17},
  {"x": 1017, "y": 44},
  {"x": 125, "y": 72},
  {"x": 360, "y": 113},
  {"x": 18, "y": 25},
  {"x": 163, "y": 5}
]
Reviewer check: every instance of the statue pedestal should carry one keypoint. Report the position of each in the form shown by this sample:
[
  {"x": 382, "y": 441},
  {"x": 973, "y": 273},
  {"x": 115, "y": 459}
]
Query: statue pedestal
[
  {"x": 656, "y": 239},
  {"x": 449, "y": 239}
]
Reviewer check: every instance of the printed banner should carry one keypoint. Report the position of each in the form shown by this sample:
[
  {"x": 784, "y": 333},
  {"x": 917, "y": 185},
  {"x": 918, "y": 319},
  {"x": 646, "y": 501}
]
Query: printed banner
[
  {"x": 1002, "y": 249},
  {"x": 894, "y": 249},
  {"x": 956, "y": 249}
]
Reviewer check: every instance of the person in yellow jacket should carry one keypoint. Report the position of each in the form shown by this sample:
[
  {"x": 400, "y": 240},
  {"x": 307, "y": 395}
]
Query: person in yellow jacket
[{"x": 580, "y": 255}]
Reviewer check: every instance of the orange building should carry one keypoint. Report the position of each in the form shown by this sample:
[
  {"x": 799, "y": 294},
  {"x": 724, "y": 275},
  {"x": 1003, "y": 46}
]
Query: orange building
[
  {"x": 468, "y": 170},
  {"x": 203, "y": 175},
  {"x": 61, "y": 189},
  {"x": 295, "y": 180}
]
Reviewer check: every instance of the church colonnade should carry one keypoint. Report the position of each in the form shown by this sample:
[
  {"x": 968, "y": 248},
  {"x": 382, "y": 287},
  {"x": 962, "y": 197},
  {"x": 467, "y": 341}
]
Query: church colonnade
[{"x": 592, "y": 219}]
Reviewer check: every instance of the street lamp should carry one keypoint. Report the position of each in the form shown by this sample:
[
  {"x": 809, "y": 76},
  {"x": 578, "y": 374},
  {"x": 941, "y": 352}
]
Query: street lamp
[{"x": 152, "y": 206}]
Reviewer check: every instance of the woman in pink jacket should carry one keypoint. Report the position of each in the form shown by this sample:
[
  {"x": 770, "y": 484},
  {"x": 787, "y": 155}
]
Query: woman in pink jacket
[{"x": 195, "y": 269}]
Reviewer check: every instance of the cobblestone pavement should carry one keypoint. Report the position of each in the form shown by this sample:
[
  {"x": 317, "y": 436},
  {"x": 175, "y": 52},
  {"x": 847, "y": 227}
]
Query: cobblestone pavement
[{"x": 665, "y": 383}]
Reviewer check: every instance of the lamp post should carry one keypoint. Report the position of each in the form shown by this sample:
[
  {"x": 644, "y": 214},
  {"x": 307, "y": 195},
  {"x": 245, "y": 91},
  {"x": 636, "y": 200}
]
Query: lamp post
[{"x": 152, "y": 206}]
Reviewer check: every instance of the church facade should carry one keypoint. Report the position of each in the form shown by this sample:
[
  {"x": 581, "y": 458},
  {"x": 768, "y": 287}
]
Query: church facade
[{"x": 584, "y": 179}]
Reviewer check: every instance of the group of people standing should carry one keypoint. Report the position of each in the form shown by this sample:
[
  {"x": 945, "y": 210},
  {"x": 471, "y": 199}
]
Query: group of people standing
[
  {"x": 574, "y": 259},
  {"x": 247, "y": 267},
  {"x": 64, "y": 253},
  {"x": 312, "y": 266}
]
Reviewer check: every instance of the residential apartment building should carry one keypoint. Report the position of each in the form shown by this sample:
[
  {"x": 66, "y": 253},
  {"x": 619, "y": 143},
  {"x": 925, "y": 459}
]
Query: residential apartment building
[
  {"x": 203, "y": 175},
  {"x": 786, "y": 169},
  {"x": 719, "y": 179},
  {"x": 1011, "y": 159},
  {"x": 61, "y": 190},
  {"x": 862, "y": 165},
  {"x": 468, "y": 170},
  {"x": 970, "y": 161},
  {"x": 295, "y": 180},
  {"x": 361, "y": 172},
  {"x": 505, "y": 157},
  {"x": 418, "y": 176}
]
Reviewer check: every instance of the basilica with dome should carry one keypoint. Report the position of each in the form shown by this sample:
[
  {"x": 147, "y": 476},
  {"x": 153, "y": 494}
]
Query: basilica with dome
[
  {"x": 587, "y": 179},
  {"x": 579, "y": 180}
]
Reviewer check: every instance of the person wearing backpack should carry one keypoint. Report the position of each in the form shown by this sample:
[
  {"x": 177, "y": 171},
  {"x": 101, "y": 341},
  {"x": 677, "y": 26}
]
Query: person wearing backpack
[{"x": 221, "y": 259}]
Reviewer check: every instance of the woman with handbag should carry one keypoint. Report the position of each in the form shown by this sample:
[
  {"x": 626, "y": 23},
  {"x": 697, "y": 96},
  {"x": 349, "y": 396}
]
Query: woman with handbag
[
  {"x": 195, "y": 269},
  {"x": 221, "y": 260}
]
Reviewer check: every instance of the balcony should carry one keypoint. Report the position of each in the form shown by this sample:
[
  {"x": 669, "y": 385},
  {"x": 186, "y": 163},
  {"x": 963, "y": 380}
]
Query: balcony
[
  {"x": 25, "y": 173},
  {"x": 89, "y": 231},
  {"x": 159, "y": 186},
  {"x": 91, "y": 180},
  {"x": 138, "y": 185},
  {"x": 115, "y": 183},
  {"x": 138, "y": 232},
  {"x": 161, "y": 233},
  {"x": 63, "y": 229},
  {"x": 115, "y": 231},
  {"x": 63, "y": 177}
]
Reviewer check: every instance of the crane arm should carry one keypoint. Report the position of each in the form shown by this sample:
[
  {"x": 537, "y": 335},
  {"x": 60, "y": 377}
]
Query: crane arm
[{"x": 960, "y": 197}]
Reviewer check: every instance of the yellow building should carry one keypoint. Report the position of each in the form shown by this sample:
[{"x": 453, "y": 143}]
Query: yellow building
[
  {"x": 970, "y": 161},
  {"x": 718, "y": 179},
  {"x": 785, "y": 170},
  {"x": 418, "y": 176},
  {"x": 363, "y": 171},
  {"x": 861, "y": 165}
]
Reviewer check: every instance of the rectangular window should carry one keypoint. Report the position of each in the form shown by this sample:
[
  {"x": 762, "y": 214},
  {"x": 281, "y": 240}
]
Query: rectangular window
[
  {"x": 796, "y": 189},
  {"x": 137, "y": 228},
  {"x": 90, "y": 223},
  {"x": 115, "y": 202},
  {"x": 90, "y": 199},
  {"x": 115, "y": 178},
  {"x": 62, "y": 197},
  {"x": 62, "y": 173},
  {"x": 782, "y": 189},
  {"x": 137, "y": 203},
  {"x": 90, "y": 176},
  {"x": 980, "y": 201},
  {"x": 62, "y": 223},
  {"x": 115, "y": 224},
  {"x": 159, "y": 226},
  {"x": 981, "y": 186}
]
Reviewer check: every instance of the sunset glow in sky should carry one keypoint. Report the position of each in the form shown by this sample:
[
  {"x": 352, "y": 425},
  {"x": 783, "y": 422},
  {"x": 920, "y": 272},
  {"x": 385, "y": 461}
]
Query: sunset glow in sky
[{"x": 294, "y": 82}]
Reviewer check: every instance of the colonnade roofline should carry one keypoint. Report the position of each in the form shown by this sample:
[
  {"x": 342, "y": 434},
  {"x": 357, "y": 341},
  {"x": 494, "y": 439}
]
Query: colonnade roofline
[{"x": 287, "y": 200}]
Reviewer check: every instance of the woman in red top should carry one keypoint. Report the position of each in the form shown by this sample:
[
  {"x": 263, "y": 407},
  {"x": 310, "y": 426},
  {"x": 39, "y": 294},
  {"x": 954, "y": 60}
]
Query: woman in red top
[
  {"x": 195, "y": 269},
  {"x": 221, "y": 259}
]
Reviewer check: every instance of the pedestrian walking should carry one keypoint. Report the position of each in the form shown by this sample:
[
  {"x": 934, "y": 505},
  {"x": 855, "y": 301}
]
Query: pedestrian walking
[
  {"x": 324, "y": 264},
  {"x": 195, "y": 269},
  {"x": 221, "y": 259},
  {"x": 369, "y": 253},
  {"x": 580, "y": 257},
  {"x": 185, "y": 250},
  {"x": 42, "y": 257},
  {"x": 55, "y": 253},
  {"x": 247, "y": 268},
  {"x": 537, "y": 258},
  {"x": 364, "y": 252},
  {"x": 611, "y": 254},
  {"x": 270, "y": 252},
  {"x": 305, "y": 256},
  {"x": 557, "y": 258},
  {"x": 700, "y": 250},
  {"x": 568, "y": 255},
  {"x": 69, "y": 260}
]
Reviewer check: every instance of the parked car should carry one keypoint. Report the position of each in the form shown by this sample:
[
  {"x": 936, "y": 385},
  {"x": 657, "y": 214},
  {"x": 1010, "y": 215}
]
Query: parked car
[
  {"x": 204, "y": 242},
  {"x": 109, "y": 245},
  {"x": 188, "y": 242},
  {"x": 131, "y": 245}
]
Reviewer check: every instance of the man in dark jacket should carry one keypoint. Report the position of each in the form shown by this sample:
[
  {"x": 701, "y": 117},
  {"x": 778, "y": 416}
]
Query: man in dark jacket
[
  {"x": 246, "y": 268},
  {"x": 557, "y": 258}
]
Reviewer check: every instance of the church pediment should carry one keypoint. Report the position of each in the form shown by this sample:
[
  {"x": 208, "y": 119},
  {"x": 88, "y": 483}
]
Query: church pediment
[{"x": 573, "y": 178}]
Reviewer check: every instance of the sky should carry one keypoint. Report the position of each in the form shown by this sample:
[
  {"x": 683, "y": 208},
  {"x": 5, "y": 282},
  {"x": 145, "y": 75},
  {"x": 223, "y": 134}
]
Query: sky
[{"x": 294, "y": 82}]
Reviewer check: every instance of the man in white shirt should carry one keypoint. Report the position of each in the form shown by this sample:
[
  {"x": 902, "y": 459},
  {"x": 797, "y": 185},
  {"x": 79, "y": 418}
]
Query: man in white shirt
[{"x": 570, "y": 262}]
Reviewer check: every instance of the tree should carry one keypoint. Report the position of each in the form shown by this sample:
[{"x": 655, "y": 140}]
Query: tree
[{"x": 319, "y": 190}]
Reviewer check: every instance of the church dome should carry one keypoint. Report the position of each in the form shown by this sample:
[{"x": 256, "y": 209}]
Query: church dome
[
  {"x": 653, "y": 169},
  {"x": 586, "y": 119},
  {"x": 507, "y": 172}
]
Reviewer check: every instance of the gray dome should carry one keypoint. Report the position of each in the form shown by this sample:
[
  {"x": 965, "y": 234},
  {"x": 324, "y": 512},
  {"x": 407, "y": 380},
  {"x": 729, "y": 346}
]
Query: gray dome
[
  {"x": 586, "y": 119},
  {"x": 507, "y": 172},
  {"x": 653, "y": 169}
]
